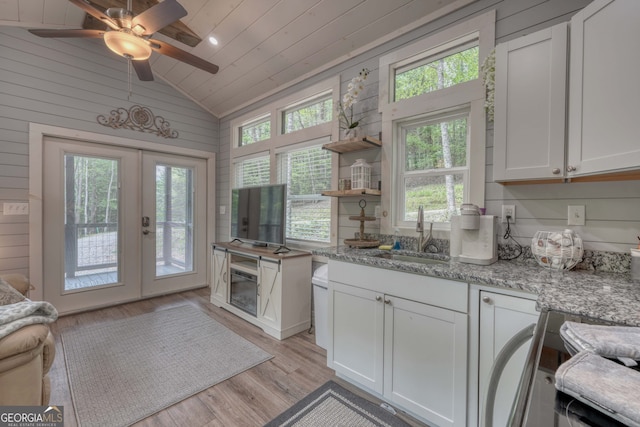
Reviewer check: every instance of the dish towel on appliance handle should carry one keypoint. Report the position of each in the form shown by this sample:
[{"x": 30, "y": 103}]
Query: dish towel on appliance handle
[
  {"x": 602, "y": 384},
  {"x": 613, "y": 342}
]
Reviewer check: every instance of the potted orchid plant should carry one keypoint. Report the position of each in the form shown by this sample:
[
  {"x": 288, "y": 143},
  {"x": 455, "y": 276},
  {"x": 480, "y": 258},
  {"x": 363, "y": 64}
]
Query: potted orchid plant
[{"x": 345, "y": 108}]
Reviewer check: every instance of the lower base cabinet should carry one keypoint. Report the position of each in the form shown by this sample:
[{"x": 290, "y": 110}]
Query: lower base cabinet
[
  {"x": 410, "y": 352},
  {"x": 501, "y": 317}
]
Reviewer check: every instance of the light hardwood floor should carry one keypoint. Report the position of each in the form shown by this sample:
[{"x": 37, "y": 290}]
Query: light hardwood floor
[{"x": 251, "y": 398}]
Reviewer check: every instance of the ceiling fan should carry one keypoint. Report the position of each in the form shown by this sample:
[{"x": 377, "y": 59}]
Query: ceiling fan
[{"x": 129, "y": 35}]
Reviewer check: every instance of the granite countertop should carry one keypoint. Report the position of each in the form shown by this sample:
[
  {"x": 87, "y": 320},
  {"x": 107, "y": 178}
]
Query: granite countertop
[{"x": 608, "y": 296}]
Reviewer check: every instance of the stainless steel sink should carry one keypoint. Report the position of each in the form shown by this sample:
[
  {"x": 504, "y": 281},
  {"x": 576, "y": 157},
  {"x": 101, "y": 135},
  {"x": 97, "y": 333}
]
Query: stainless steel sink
[{"x": 411, "y": 258}]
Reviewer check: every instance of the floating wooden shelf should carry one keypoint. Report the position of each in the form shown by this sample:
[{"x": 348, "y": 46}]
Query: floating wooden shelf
[
  {"x": 353, "y": 144},
  {"x": 352, "y": 193}
]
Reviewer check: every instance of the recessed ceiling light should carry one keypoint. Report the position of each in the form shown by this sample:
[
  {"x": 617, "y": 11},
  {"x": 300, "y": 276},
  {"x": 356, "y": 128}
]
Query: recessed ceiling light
[{"x": 213, "y": 40}]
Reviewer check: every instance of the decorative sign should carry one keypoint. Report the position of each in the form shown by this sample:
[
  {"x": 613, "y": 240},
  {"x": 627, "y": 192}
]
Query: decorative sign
[{"x": 138, "y": 118}]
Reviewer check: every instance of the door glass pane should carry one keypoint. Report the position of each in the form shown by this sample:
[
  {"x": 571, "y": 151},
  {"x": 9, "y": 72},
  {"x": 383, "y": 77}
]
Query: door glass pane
[
  {"x": 91, "y": 221},
  {"x": 174, "y": 220}
]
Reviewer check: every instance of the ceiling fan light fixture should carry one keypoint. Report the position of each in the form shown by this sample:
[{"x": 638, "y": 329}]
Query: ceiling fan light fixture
[{"x": 127, "y": 45}]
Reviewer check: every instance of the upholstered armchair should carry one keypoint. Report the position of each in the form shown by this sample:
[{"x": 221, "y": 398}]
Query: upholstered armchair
[{"x": 25, "y": 354}]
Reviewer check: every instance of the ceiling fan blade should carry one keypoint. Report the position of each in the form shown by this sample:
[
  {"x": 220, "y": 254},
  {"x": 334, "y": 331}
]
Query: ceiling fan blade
[
  {"x": 181, "y": 55},
  {"x": 159, "y": 16},
  {"x": 96, "y": 13},
  {"x": 67, "y": 33},
  {"x": 143, "y": 70}
]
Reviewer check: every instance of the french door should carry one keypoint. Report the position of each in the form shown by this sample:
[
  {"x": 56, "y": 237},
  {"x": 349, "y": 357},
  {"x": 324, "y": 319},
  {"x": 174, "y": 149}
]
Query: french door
[{"x": 120, "y": 224}]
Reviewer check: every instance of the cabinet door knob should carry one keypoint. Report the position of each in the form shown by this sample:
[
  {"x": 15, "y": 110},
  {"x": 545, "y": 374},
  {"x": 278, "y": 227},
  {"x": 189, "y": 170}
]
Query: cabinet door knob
[
  {"x": 378, "y": 298},
  {"x": 387, "y": 301},
  {"x": 486, "y": 299},
  {"x": 571, "y": 168},
  {"x": 555, "y": 171}
]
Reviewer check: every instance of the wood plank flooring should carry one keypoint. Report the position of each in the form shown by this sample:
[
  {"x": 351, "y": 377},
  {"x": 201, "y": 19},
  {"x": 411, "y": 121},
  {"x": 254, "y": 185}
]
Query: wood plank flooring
[{"x": 251, "y": 398}]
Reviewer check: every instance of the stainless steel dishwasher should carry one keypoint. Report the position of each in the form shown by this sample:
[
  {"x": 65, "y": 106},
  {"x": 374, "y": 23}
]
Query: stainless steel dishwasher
[{"x": 538, "y": 403}]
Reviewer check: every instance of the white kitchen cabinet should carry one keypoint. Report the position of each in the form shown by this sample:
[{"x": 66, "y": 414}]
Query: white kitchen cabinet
[
  {"x": 276, "y": 288},
  {"x": 402, "y": 336},
  {"x": 530, "y": 106},
  {"x": 425, "y": 360},
  {"x": 604, "y": 89},
  {"x": 501, "y": 317},
  {"x": 356, "y": 334}
]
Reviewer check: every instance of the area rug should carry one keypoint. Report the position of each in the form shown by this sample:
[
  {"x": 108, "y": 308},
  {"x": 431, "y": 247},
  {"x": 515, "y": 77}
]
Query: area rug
[
  {"x": 122, "y": 371},
  {"x": 333, "y": 405}
]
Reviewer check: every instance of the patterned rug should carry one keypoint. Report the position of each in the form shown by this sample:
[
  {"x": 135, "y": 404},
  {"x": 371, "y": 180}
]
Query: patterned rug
[
  {"x": 122, "y": 371},
  {"x": 333, "y": 405}
]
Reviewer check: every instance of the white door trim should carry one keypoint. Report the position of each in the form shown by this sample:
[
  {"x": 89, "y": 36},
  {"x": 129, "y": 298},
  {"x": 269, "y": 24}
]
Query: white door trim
[{"x": 37, "y": 134}]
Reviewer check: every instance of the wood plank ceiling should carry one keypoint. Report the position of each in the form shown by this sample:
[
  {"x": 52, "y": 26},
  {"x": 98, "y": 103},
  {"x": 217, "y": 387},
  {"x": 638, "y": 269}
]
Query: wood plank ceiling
[{"x": 264, "y": 45}]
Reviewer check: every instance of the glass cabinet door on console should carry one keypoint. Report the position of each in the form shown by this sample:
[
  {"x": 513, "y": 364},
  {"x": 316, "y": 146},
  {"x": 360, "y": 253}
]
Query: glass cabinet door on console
[{"x": 243, "y": 291}]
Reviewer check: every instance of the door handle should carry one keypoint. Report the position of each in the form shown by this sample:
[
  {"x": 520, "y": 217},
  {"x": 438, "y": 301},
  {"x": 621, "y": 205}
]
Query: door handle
[{"x": 145, "y": 231}]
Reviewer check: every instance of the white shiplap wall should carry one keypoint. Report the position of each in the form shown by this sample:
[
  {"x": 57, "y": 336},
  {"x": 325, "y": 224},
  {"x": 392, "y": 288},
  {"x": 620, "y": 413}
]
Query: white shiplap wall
[
  {"x": 67, "y": 83},
  {"x": 611, "y": 207}
]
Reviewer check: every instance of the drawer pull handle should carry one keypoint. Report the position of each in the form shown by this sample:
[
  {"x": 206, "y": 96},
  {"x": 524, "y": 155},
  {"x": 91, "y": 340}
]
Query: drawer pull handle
[
  {"x": 387, "y": 301},
  {"x": 378, "y": 298},
  {"x": 486, "y": 299}
]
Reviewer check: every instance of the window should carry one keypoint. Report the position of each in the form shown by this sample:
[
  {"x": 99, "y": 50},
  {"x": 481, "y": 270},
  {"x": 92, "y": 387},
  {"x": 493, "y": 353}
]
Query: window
[
  {"x": 251, "y": 172},
  {"x": 432, "y": 105},
  {"x": 308, "y": 114},
  {"x": 433, "y": 167},
  {"x": 442, "y": 71},
  {"x": 257, "y": 130},
  {"x": 281, "y": 142},
  {"x": 307, "y": 173}
]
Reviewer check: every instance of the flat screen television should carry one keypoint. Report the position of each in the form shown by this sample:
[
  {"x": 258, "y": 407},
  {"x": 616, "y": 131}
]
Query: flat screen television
[{"x": 258, "y": 214}]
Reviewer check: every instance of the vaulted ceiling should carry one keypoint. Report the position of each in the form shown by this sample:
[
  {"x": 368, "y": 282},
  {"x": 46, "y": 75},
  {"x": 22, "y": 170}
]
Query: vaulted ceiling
[{"x": 264, "y": 45}]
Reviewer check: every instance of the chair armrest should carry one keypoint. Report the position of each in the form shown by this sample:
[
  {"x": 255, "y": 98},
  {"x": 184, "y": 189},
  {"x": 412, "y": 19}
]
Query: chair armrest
[
  {"x": 48, "y": 353},
  {"x": 24, "y": 340}
]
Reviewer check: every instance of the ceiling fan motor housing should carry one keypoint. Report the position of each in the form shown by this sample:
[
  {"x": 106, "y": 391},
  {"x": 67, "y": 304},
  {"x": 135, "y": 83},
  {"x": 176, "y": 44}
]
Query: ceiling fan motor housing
[{"x": 120, "y": 16}]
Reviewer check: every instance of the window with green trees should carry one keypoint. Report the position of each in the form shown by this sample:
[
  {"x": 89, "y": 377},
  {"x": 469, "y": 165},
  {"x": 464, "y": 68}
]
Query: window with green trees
[
  {"x": 307, "y": 173},
  {"x": 433, "y": 167},
  {"x": 307, "y": 114},
  {"x": 281, "y": 142},
  {"x": 253, "y": 171},
  {"x": 257, "y": 130},
  {"x": 437, "y": 72}
]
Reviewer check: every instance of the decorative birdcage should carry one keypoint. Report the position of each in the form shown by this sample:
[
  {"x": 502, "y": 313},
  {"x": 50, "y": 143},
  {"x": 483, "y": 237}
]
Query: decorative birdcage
[{"x": 360, "y": 174}]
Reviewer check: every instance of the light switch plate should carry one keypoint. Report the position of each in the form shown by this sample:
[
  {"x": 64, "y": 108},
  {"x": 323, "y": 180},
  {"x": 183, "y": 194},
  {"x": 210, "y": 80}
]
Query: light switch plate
[
  {"x": 576, "y": 215},
  {"x": 15, "y": 208}
]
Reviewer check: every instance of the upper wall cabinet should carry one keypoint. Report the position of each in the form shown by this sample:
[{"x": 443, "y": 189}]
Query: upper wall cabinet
[
  {"x": 530, "y": 106},
  {"x": 604, "y": 88}
]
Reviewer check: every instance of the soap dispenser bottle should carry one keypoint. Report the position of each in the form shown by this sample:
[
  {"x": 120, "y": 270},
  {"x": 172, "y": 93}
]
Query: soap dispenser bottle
[{"x": 396, "y": 240}]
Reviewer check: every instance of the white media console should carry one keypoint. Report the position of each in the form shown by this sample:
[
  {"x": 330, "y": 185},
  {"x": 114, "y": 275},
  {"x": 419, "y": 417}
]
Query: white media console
[{"x": 272, "y": 291}]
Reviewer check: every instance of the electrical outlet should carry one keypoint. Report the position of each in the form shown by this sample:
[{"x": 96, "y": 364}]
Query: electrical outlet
[
  {"x": 576, "y": 215},
  {"x": 377, "y": 212},
  {"x": 509, "y": 211}
]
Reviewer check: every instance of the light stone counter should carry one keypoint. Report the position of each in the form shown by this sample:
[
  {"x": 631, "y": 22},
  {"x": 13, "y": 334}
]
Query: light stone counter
[{"x": 608, "y": 296}]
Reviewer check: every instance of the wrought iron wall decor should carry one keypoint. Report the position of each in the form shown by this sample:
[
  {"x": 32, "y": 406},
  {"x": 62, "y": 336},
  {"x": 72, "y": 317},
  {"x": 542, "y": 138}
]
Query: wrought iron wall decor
[{"x": 138, "y": 118}]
